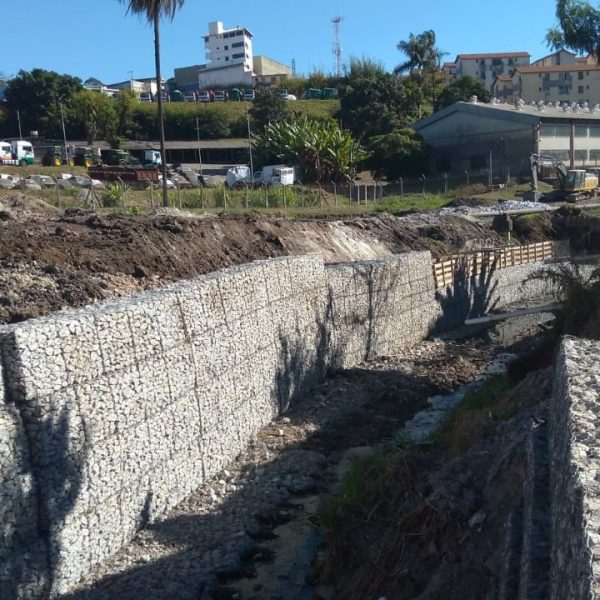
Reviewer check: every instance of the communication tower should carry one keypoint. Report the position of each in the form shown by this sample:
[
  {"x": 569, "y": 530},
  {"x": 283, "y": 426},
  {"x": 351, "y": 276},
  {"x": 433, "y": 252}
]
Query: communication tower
[{"x": 337, "y": 44}]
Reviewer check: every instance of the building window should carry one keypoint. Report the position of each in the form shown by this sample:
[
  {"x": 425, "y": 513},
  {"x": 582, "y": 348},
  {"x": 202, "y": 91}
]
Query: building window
[
  {"x": 238, "y": 56},
  {"x": 206, "y": 39},
  {"x": 227, "y": 58},
  {"x": 580, "y": 75},
  {"x": 580, "y": 89},
  {"x": 581, "y": 156},
  {"x": 539, "y": 89},
  {"x": 581, "y": 131},
  {"x": 237, "y": 45},
  {"x": 225, "y": 47}
]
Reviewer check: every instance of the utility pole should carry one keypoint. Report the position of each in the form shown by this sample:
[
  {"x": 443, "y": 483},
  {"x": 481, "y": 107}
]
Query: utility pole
[
  {"x": 250, "y": 144},
  {"x": 19, "y": 122},
  {"x": 199, "y": 149},
  {"x": 62, "y": 118}
]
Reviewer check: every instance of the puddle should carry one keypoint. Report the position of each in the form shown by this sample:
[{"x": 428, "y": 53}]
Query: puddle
[{"x": 289, "y": 558}]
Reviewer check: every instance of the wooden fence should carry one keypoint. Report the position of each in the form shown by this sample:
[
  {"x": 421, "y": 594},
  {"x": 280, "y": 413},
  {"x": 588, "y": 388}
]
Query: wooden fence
[{"x": 472, "y": 264}]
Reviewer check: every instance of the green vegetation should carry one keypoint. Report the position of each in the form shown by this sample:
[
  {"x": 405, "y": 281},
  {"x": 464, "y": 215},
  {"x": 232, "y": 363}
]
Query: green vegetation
[
  {"x": 578, "y": 27},
  {"x": 469, "y": 421},
  {"x": 363, "y": 478},
  {"x": 323, "y": 151},
  {"x": 462, "y": 89}
]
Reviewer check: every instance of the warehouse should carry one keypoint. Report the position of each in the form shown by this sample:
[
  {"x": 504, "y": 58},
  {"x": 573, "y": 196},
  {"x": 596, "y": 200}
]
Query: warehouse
[{"x": 477, "y": 138}]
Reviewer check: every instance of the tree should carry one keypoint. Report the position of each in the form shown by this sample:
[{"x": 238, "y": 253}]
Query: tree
[
  {"x": 153, "y": 10},
  {"x": 398, "y": 154},
  {"x": 462, "y": 89},
  {"x": 579, "y": 27},
  {"x": 422, "y": 55},
  {"x": 268, "y": 108},
  {"x": 421, "y": 52},
  {"x": 39, "y": 95},
  {"x": 323, "y": 151},
  {"x": 96, "y": 112},
  {"x": 379, "y": 104}
]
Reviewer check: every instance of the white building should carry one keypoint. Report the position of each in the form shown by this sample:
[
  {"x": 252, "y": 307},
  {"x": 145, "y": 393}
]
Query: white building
[{"x": 230, "y": 62}]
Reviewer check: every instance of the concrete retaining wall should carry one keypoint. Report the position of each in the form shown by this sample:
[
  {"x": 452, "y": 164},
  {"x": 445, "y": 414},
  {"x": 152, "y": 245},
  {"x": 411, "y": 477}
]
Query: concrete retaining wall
[
  {"x": 575, "y": 469},
  {"x": 115, "y": 413}
]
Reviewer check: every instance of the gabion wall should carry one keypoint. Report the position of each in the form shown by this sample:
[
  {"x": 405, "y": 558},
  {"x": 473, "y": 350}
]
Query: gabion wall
[
  {"x": 115, "y": 413},
  {"x": 575, "y": 465},
  {"x": 377, "y": 308}
]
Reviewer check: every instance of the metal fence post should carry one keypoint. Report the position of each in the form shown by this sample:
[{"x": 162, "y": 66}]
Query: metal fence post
[
  {"x": 284, "y": 197},
  {"x": 266, "y": 198},
  {"x": 335, "y": 193},
  {"x": 151, "y": 196},
  {"x": 445, "y": 184},
  {"x": 424, "y": 182},
  {"x": 401, "y": 187},
  {"x": 178, "y": 194},
  {"x": 246, "y": 188}
]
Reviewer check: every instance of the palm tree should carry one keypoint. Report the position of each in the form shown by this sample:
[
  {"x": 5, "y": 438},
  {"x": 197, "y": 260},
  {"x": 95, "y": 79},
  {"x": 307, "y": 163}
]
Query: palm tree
[
  {"x": 153, "y": 10},
  {"x": 422, "y": 55}
]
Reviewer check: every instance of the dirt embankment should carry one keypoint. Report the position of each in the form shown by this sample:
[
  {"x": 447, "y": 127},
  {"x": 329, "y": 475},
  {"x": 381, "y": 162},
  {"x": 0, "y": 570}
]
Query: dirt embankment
[{"x": 52, "y": 259}]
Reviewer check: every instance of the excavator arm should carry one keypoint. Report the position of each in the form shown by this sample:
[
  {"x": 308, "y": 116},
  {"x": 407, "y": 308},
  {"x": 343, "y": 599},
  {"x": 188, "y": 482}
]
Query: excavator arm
[{"x": 536, "y": 160}]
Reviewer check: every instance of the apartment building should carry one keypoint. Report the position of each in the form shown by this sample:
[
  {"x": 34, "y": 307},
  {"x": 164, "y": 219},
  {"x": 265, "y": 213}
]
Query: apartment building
[
  {"x": 572, "y": 82},
  {"x": 485, "y": 67}
]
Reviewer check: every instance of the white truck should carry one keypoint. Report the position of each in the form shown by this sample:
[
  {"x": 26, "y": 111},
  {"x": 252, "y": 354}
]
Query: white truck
[
  {"x": 275, "y": 175},
  {"x": 17, "y": 152},
  {"x": 152, "y": 157},
  {"x": 270, "y": 175}
]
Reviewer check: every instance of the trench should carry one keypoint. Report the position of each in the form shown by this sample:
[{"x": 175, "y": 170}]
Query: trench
[{"x": 284, "y": 563}]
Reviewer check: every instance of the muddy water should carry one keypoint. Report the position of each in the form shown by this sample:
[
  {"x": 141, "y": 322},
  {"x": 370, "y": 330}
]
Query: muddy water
[{"x": 292, "y": 553}]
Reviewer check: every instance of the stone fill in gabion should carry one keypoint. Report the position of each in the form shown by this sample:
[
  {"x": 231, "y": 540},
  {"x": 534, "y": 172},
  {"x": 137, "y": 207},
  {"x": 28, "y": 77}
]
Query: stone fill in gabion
[
  {"x": 575, "y": 472},
  {"x": 113, "y": 414}
]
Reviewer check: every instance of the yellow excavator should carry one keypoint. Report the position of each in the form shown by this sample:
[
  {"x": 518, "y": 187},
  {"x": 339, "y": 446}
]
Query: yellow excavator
[{"x": 575, "y": 184}]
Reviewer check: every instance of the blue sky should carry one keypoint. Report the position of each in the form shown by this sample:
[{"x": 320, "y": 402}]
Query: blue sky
[{"x": 95, "y": 38}]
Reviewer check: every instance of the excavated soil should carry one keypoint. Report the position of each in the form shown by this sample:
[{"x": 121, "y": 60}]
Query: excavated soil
[{"x": 52, "y": 259}]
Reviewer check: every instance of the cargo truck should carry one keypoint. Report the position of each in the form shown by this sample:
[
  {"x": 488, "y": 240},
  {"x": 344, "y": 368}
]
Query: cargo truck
[{"x": 21, "y": 153}]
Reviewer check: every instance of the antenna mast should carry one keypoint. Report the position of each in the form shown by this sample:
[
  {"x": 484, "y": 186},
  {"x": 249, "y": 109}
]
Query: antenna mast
[{"x": 337, "y": 44}]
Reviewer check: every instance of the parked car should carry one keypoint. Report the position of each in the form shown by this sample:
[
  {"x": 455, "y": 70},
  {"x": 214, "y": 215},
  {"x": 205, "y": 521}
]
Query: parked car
[
  {"x": 290, "y": 97},
  {"x": 176, "y": 96},
  {"x": 329, "y": 94},
  {"x": 189, "y": 96},
  {"x": 249, "y": 95},
  {"x": 203, "y": 96},
  {"x": 44, "y": 181},
  {"x": 220, "y": 96},
  {"x": 146, "y": 97},
  {"x": 282, "y": 93}
]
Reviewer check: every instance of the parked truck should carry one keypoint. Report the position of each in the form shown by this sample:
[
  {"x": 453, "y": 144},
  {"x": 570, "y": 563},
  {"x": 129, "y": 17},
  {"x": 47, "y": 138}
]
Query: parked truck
[
  {"x": 274, "y": 175},
  {"x": 21, "y": 153}
]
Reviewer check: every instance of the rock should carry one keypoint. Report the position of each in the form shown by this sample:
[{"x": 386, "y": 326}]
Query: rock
[{"x": 477, "y": 519}]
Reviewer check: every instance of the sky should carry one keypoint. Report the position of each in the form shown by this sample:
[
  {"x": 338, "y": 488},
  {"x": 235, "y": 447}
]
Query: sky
[{"x": 88, "y": 38}]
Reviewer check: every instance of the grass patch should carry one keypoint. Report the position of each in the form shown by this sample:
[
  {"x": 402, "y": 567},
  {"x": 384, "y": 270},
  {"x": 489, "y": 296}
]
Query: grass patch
[
  {"x": 468, "y": 422},
  {"x": 410, "y": 202},
  {"x": 359, "y": 482}
]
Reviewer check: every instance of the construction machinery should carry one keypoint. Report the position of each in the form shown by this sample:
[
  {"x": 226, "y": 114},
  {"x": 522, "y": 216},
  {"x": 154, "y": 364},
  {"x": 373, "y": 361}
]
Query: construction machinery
[
  {"x": 114, "y": 157},
  {"x": 574, "y": 184}
]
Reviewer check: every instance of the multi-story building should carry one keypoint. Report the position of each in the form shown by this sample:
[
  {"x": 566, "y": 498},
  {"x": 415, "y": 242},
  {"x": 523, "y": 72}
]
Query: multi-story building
[
  {"x": 571, "y": 82},
  {"x": 485, "y": 67},
  {"x": 560, "y": 57},
  {"x": 230, "y": 62}
]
